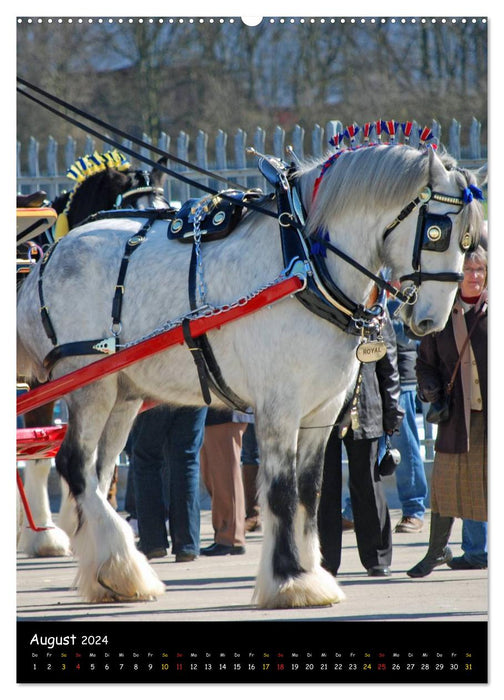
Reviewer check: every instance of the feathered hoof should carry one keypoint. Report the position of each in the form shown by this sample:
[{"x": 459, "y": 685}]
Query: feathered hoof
[
  {"x": 121, "y": 580},
  {"x": 310, "y": 589},
  {"x": 53, "y": 542}
]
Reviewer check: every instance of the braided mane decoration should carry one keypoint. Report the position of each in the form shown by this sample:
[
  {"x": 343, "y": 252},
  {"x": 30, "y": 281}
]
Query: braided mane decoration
[
  {"x": 97, "y": 162},
  {"x": 379, "y": 128}
]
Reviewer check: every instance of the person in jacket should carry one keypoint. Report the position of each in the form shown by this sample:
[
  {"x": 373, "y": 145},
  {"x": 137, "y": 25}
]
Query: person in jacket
[
  {"x": 459, "y": 476},
  {"x": 411, "y": 480},
  {"x": 378, "y": 412}
]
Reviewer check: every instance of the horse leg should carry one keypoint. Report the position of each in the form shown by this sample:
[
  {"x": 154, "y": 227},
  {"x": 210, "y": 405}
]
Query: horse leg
[
  {"x": 109, "y": 446},
  {"x": 110, "y": 566},
  {"x": 312, "y": 440},
  {"x": 283, "y": 581},
  {"x": 53, "y": 541}
]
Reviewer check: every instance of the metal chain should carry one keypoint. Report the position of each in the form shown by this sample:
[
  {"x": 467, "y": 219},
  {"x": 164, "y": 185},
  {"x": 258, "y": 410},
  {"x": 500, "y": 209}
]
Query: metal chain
[
  {"x": 200, "y": 273},
  {"x": 207, "y": 310}
]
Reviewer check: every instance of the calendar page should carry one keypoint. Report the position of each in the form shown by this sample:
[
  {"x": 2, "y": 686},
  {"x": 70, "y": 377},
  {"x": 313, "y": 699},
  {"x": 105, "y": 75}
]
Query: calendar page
[{"x": 258, "y": 221}]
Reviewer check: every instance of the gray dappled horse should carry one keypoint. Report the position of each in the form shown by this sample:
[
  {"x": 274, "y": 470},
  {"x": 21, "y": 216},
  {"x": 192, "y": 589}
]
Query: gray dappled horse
[{"x": 291, "y": 366}]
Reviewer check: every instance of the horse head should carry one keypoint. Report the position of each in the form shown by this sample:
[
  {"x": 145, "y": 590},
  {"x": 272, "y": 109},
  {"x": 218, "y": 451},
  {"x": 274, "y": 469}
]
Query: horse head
[
  {"x": 146, "y": 191},
  {"x": 448, "y": 224},
  {"x": 393, "y": 206}
]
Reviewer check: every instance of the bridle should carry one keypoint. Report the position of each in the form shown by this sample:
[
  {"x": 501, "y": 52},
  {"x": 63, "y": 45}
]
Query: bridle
[
  {"x": 129, "y": 199},
  {"x": 143, "y": 188},
  {"x": 433, "y": 233}
]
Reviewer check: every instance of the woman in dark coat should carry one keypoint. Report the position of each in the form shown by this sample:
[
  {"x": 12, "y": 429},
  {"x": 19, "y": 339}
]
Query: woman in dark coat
[{"x": 459, "y": 477}]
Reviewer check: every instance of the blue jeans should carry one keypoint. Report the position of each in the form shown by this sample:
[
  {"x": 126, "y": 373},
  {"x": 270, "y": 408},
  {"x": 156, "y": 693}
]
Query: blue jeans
[
  {"x": 250, "y": 450},
  {"x": 411, "y": 481},
  {"x": 475, "y": 542},
  {"x": 165, "y": 452}
]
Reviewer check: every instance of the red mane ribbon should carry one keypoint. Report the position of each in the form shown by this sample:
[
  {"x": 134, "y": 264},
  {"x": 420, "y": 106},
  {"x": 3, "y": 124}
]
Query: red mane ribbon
[
  {"x": 407, "y": 127},
  {"x": 390, "y": 128},
  {"x": 367, "y": 129}
]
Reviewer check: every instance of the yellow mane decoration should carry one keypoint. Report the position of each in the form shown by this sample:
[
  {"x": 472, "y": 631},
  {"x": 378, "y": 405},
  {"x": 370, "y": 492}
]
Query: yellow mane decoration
[
  {"x": 80, "y": 171},
  {"x": 91, "y": 164}
]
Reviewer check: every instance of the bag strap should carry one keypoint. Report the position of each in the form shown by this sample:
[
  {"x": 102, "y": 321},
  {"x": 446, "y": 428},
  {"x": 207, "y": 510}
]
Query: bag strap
[{"x": 449, "y": 387}]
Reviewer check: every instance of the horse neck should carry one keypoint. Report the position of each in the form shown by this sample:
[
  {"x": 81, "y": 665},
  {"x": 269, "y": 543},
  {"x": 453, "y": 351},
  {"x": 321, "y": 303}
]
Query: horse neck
[
  {"x": 96, "y": 194},
  {"x": 358, "y": 236}
]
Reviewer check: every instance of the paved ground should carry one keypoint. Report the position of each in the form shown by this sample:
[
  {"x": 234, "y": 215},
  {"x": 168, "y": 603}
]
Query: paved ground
[{"x": 221, "y": 588}]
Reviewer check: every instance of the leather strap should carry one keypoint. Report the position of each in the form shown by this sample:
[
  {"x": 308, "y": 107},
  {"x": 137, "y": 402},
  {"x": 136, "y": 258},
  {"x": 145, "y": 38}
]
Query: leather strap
[
  {"x": 79, "y": 347},
  {"x": 44, "y": 313},
  {"x": 199, "y": 360},
  {"x": 209, "y": 372}
]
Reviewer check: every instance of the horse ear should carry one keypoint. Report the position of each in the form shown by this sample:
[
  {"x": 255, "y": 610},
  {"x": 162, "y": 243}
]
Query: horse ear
[
  {"x": 437, "y": 171},
  {"x": 481, "y": 175},
  {"x": 159, "y": 177}
]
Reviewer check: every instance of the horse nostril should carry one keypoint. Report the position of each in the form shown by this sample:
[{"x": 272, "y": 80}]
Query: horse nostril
[{"x": 424, "y": 327}]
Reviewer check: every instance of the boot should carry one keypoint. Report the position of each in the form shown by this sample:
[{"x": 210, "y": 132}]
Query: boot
[
  {"x": 249, "y": 476},
  {"x": 438, "y": 552}
]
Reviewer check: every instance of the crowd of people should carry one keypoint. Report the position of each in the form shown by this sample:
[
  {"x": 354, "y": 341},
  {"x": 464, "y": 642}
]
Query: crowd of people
[{"x": 443, "y": 374}]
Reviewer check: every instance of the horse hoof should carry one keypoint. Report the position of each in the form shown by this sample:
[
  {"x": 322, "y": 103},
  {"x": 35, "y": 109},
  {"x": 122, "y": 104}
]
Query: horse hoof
[
  {"x": 122, "y": 580},
  {"x": 52, "y": 542},
  {"x": 310, "y": 589}
]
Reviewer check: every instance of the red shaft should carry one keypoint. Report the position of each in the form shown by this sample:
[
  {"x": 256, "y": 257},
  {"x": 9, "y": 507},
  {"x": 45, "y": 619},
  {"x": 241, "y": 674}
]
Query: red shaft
[{"x": 114, "y": 363}]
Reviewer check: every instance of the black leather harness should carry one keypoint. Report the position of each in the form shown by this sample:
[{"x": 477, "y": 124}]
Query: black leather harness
[
  {"x": 321, "y": 295},
  {"x": 98, "y": 346}
]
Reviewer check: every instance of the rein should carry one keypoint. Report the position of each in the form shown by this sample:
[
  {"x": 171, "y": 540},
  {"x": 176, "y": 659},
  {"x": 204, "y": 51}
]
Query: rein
[
  {"x": 379, "y": 281},
  {"x": 109, "y": 127},
  {"x": 142, "y": 158}
]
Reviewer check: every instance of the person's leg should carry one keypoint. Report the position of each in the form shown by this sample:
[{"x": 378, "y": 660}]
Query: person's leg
[
  {"x": 438, "y": 552},
  {"x": 250, "y": 469},
  {"x": 370, "y": 510},
  {"x": 148, "y": 458},
  {"x": 183, "y": 457},
  {"x": 411, "y": 481},
  {"x": 221, "y": 462},
  {"x": 129, "y": 500},
  {"x": 474, "y": 546},
  {"x": 329, "y": 511}
]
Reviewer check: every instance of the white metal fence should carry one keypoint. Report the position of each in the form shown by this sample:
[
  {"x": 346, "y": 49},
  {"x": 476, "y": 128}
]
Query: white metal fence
[{"x": 44, "y": 166}]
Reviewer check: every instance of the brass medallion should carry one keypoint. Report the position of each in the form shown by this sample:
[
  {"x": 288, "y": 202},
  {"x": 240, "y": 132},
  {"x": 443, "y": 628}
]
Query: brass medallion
[{"x": 371, "y": 351}]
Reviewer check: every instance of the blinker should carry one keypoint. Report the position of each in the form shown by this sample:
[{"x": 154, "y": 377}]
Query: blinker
[{"x": 436, "y": 232}]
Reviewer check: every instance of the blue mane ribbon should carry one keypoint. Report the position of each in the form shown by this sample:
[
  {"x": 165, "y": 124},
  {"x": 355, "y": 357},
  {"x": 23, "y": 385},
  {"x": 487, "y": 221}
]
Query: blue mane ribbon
[
  {"x": 317, "y": 248},
  {"x": 470, "y": 193}
]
